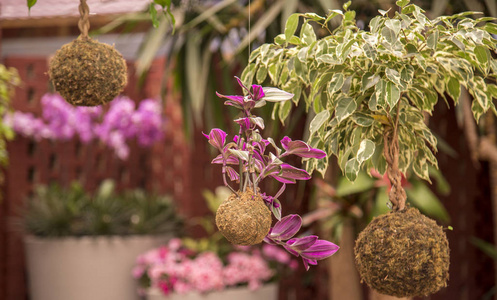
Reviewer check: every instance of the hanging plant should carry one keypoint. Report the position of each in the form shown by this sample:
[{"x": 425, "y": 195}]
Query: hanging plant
[
  {"x": 245, "y": 217},
  {"x": 368, "y": 91},
  {"x": 86, "y": 72}
]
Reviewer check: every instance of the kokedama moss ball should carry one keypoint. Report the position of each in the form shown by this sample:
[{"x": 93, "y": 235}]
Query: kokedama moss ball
[
  {"x": 87, "y": 73},
  {"x": 403, "y": 254},
  {"x": 245, "y": 219}
]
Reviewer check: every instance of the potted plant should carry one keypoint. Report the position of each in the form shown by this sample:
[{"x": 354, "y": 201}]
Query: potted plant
[
  {"x": 211, "y": 268},
  {"x": 83, "y": 246}
]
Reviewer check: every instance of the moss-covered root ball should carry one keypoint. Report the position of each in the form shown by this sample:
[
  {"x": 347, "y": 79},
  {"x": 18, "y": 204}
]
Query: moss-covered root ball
[
  {"x": 245, "y": 219},
  {"x": 403, "y": 254},
  {"x": 87, "y": 73}
]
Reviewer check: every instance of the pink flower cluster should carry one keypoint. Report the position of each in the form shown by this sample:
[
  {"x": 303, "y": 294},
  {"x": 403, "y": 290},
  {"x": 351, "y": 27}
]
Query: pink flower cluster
[
  {"x": 122, "y": 122},
  {"x": 176, "y": 269}
]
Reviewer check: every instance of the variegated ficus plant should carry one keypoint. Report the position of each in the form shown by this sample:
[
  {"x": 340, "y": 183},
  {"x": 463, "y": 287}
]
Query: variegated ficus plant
[
  {"x": 245, "y": 217},
  {"x": 368, "y": 92}
]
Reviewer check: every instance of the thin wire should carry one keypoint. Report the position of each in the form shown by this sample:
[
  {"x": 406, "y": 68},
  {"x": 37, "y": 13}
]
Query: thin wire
[{"x": 248, "y": 46}]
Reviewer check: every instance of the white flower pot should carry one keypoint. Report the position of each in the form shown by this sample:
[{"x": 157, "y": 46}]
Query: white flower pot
[
  {"x": 266, "y": 292},
  {"x": 84, "y": 268}
]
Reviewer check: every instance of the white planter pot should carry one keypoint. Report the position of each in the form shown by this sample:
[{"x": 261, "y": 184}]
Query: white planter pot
[
  {"x": 84, "y": 268},
  {"x": 266, "y": 292}
]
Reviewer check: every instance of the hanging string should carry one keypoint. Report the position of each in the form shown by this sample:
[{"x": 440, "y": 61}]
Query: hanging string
[
  {"x": 84, "y": 19},
  {"x": 249, "y": 26},
  {"x": 397, "y": 193}
]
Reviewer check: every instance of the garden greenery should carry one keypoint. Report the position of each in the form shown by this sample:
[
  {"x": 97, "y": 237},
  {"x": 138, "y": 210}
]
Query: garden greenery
[{"x": 357, "y": 81}]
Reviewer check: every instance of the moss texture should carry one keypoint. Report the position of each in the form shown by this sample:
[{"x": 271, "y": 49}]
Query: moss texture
[
  {"x": 245, "y": 219},
  {"x": 403, "y": 254},
  {"x": 87, "y": 73}
]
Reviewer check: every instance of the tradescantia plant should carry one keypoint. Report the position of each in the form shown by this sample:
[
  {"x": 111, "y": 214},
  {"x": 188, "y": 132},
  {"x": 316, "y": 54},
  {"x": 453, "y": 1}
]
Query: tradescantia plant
[
  {"x": 244, "y": 218},
  {"x": 359, "y": 82}
]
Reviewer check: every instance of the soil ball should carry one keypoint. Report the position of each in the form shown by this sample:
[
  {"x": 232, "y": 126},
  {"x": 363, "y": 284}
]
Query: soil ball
[
  {"x": 245, "y": 219},
  {"x": 87, "y": 73},
  {"x": 403, "y": 254}
]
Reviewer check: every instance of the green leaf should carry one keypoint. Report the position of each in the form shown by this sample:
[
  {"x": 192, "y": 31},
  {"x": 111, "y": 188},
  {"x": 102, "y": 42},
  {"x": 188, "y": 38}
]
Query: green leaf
[
  {"x": 31, "y": 3},
  {"x": 261, "y": 74},
  {"x": 481, "y": 53},
  {"x": 345, "y": 107},
  {"x": 389, "y": 35},
  {"x": 489, "y": 27},
  {"x": 352, "y": 169},
  {"x": 432, "y": 40},
  {"x": 392, "y": 94},
  {"x": 318, "y": 121},
  {"x": 393, "y": 75},
  {"x": 394, "y": 25},
  {"x": 163, "y": 3},
  {"x": 402, "y": 3},
  {"x": 369, "y": 51},
  {"x": 366, "y": 150},
  {"x": 291, "y": 26},
  {"x": 248, "y": 73},
  {"x": 335, "y": 84},
  {"x": 307, "y": 34},
  {"x": 153, "y": 15},
  {"x": 285, "y": 108},
  {"x": 369, "y": 80},
  {"x": 362, "y": 119},
  {"x": 454, "y": 89}
]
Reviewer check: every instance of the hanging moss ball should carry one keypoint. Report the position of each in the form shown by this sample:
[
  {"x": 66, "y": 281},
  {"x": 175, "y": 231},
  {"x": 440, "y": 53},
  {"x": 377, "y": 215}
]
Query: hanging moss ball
[
  {"x": 245, "y": 219},
  {"x": 87, "y": 73},
  {"x": 403, "y": 254}
]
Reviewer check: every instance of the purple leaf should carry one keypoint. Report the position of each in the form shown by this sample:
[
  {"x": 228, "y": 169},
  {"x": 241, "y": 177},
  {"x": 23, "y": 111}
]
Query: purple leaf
[
  {"x": 233, "y": 175},
  {"x": 230, "y": 160},
  {"x": 301, "y": 244},
  {"x": 217, "y": 138},
  {"x": 308, "y": 262},
  {"x": 241, "y": 84},
  {"x": 321, "y": 249},
  {"x": 288, "y": 174},
  {"x": 286, "y": 227},
  {"x": 257, "y": 92},
  {"x": 301, "y": 149},
  {"x": 244, "y": 123}
]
